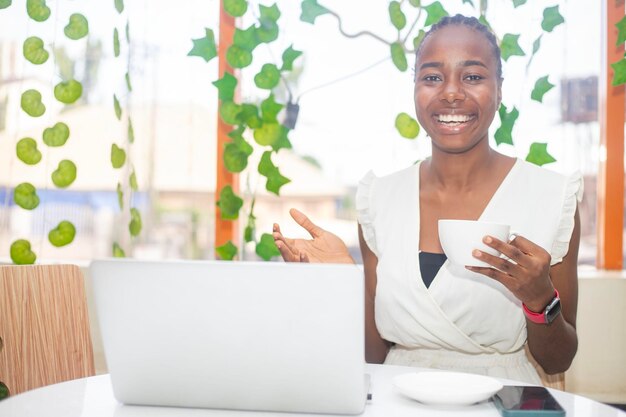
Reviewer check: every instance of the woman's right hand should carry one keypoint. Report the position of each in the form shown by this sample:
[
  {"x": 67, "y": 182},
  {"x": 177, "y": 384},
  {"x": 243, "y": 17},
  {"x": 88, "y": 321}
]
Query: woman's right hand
[{"x": 325, "y": 247}]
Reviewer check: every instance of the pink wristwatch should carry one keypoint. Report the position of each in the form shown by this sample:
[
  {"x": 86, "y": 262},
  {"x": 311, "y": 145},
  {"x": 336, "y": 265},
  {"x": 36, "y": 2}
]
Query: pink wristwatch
[{"x": 552, "y": 310}]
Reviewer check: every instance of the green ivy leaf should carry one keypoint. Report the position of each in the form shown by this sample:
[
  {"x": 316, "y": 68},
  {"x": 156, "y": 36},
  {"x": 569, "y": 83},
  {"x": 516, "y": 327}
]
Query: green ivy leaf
[
  {"x": 27, "y": 152},
  {"x": 518, "y": 3},
  {"x": 68, "y": 91},
  {"x": 229, "y": 204},
  {"x": 398, "y": 56},
  {"x": 435, "y": 12},
  {"x": 619, "y": 69},
  {"x": 470, "y": 2},
  {"x": 268, "y": 28},
  {"x": 249, "y": 115},
  {"x": 283, "y": 141},
  {"x": 56, "y": 135},
  {"x": 311, "y": 10},
  {"x": 134, "y": 227},
  {"x": 37, "y": 10},
  {"x": 551, "y": 18},
  {"x": 226, "y": 87},
  {"x": 21, "y": 253},
  {"x": 77, "y": 28},
  {"x": 249, "y": 231},
  {"x": 274, "y": 178},
  {"x": 238, "y": 57},
  {"x": 227, "y": 251},
  {"x": 119, "y": 6},
  {"x": 268, "y": 77},
  {"x": 128, "y": 84},
  {"x": 509, "y": 46},
  {"x": 270, "y": 109},
  {"x": 118, "y": 252},
  {"x": 538, "y": 154},
  {"x": 407, "y": 126},
  {"x": 397, "y": 17},
  {"x": 34, "y": 51},
  {"x": 31, "y": 103},
  {"x": 504, "y": 134},
  {"x": 120, "y": 196},
  {"x": 536, "y": 46},
  {"x": 266, "y": 248},
  {"x": 25, "y": 196},
  {"x": 116, "y": 43},
  {"x": 65, "y": 174},
  {"x": 417, "y": 41},
  {"x": 132, "y": 180},
  {"x": 118, "y": 156},
  {"x": 289, "y": 55},
  {"x": 117, "y": 108},
  {"x": 268, "y": 134},
  {"x": 3, "y": 5},
  {"x": 415, "y": 3},
  {"x": 621, "y": 31},
  {"x": 205, "y": 47},
  {"x": 63, "y": 234},
  {"x": 131, "y": 131},
  {"x": 542, "y": 86},
  {"x": 235, "y": 8},
  {"x": 269, "y": 13},
  {"x": 235, "y": 159},
  {"x": 229, "y": 112},
  {"x": 246, "y": 39}
]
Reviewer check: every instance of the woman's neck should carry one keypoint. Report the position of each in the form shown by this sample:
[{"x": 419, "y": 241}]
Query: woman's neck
[{"x": 462, "y": 171}]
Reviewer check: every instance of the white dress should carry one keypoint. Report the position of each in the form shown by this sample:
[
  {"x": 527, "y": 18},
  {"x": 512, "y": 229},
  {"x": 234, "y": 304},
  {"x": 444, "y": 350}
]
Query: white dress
[{"x": 464, "y": 321}]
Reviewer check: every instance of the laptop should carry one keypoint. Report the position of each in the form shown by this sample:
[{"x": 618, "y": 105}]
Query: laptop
[{"x": 263, "y": 336}]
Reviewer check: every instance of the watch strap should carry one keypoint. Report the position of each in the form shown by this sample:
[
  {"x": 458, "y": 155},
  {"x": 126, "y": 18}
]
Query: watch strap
[{"x": 542, "y": 317}]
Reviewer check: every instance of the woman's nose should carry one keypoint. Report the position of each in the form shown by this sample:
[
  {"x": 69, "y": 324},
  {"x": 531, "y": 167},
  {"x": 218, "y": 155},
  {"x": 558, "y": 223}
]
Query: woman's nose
[{"x": 452, "y": 92}]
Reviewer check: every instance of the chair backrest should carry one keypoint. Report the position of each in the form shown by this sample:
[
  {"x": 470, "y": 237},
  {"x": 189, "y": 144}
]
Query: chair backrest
[{"x": 44, "y": 326}]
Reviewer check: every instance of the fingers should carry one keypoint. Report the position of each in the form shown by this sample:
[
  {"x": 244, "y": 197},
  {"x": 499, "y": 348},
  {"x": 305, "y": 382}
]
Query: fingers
[
  {"x": 510, "y": 250},
  {"x": 305, "y": 222},
  {"x": 285, "y": 246}
]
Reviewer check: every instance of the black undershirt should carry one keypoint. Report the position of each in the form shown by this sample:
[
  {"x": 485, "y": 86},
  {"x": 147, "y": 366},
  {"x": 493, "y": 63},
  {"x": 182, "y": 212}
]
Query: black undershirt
[{"x": 430, "y": 263}]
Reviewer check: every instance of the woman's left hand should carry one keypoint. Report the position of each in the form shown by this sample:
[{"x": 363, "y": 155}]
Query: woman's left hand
[{"x": 528, "y": 277}]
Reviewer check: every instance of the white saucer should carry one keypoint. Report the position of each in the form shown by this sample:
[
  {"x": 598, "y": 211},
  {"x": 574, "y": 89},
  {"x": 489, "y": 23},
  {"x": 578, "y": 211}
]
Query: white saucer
[{"x": 446, "y": 388}]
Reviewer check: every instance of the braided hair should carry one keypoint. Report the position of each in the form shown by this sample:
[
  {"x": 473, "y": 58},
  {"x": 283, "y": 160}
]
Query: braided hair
[{"x": 470, "y": 22}]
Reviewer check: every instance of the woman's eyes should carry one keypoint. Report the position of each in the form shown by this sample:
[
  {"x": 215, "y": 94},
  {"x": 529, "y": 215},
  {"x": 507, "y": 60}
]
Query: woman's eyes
[{"x": 437, "y": 78}]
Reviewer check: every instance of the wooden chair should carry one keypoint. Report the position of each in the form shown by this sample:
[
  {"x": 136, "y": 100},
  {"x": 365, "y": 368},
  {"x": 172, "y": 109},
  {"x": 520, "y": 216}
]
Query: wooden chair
[
  {"x": 44, "y": 326},
  {"x": 551, "y": 381}
]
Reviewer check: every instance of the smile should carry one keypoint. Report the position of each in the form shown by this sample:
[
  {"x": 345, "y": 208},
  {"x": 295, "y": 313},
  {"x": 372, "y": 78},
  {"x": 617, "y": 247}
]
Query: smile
[{"x": 454, "y": 119}]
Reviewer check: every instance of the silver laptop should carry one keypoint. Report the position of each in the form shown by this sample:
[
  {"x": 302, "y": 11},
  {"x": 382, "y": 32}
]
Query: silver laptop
[{"x": 233, "y": 335}]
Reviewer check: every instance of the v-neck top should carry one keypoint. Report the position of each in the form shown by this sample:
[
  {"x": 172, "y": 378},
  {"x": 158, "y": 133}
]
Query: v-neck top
[{"x": 460, "y": 311}]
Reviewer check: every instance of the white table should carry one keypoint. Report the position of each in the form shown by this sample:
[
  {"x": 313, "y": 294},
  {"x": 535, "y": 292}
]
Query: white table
[{"x": 93, "y": 397}]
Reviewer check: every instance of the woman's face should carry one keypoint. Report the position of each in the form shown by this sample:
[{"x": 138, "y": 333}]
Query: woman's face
[{"x": 457, "y": 89}]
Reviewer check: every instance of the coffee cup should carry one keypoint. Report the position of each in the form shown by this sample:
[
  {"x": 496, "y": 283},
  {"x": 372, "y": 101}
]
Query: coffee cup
[{"x": 460, "y": 237}]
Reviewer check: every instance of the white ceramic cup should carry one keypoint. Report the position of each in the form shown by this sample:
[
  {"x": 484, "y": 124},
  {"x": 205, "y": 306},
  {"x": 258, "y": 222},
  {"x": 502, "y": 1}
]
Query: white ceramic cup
[{"x": 460, "y": 237}]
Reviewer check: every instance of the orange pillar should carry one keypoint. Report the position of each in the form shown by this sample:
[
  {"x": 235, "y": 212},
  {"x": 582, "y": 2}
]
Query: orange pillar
[
  {"x": 610, "y": 223},
  {"x": 225, "y": 230}
]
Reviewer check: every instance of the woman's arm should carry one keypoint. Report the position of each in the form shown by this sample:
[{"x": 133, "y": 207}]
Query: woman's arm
[
  {"x": 376, "y": 347},
  {"x": 533, "y": 281},
  {"x": 555, "y": 345}
]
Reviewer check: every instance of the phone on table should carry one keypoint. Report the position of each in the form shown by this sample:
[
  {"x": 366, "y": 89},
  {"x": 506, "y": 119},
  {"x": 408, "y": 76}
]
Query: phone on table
[{"x": 522, "y": 401}]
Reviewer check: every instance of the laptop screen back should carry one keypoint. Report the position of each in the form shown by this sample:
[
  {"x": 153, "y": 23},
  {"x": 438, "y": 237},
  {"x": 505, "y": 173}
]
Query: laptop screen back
[{"x": 234, "y": 335}]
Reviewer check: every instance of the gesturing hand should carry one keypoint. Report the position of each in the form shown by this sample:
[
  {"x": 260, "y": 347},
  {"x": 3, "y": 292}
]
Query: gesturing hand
[
  {"x": 528, "y": 277},
  {"x": 325, "y": 247}
]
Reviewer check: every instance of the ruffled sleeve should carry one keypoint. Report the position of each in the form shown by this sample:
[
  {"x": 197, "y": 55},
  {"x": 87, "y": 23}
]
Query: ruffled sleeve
[
  {"x": 365, "y": 210},
  {"x": 572, "y": 196}
]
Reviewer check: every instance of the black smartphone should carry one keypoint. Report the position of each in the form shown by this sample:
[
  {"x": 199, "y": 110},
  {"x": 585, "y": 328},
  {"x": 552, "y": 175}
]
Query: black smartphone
[{"x": 521, "y": 401}]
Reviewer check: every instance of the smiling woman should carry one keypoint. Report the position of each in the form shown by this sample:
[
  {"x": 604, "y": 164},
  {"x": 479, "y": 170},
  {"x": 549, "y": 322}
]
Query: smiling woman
[{"x": 417, "y": 303}]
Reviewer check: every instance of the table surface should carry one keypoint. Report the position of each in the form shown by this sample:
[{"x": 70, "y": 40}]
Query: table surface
[{"x": 93, "y": 397}]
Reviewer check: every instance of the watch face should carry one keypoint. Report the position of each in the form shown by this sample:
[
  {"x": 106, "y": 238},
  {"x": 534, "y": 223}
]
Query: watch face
[{"x": 553, "y": 310}]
